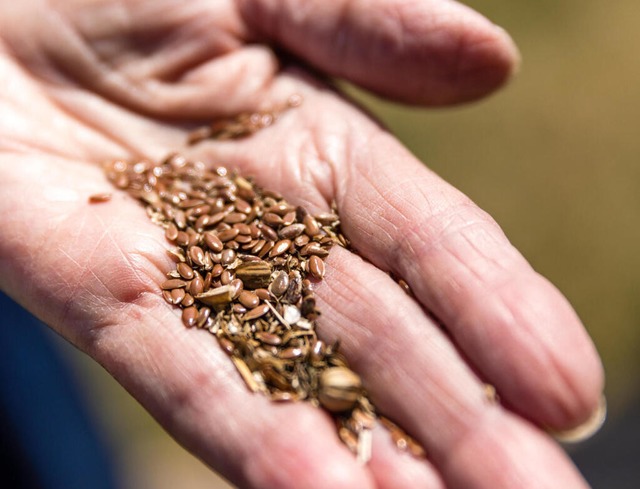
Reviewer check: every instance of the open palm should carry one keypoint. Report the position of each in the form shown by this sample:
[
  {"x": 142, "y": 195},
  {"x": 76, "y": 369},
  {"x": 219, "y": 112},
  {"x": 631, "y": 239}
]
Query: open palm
[{"x": 87, "y": 81}]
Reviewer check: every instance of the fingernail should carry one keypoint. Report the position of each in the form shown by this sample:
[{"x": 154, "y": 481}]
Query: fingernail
[{"x": 587, "y": 429}]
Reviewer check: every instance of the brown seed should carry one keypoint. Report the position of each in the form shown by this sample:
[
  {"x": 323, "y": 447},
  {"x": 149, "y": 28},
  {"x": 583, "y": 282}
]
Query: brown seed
[
  {"x": 280, "y": 247},
  {"x": 263, "y": 294},
  {"x": 237, "y": 287},
  {"x": 188, "y": 300},
  {"x": 196, "y": 286},
  {"x": 316, "y": 267},
  {"x": 227, "y": 257},
  {"x": 173, "y": 283},
  {"x": 243, "y": 206},
  {"x": 301, "y": 240},
  {"x": 266, "y": 249},
  {"x": 99, "y": 198},
  {"x": 238, "y": 308},
  {"x": 272, "y": 219},
  {"x": 166, "y": 295},
  {"x": 177, "y": 295},
  {"x": 217, "y": 270},
  {"x": 289, "y": 218},
  {"x": 180, "y": 219},
  {"x": 190, "y": 316},
  {"x": 185, "y": 271},
  {"x": 291, "y": 353},
  {"x": 256, "y": 312},
  {"x": 249, "y": 299},
  {"x": 213, "y": 242},
  {"x": 226, "y": 277},
  {"x": 268, "y": 232},
  {"x": 243, "y": 238},
  {"x": 171, "y": 233},
  {"x": 197, "y": 255},
  {"x": 203, "y": 222},
  {"x": 292, "y": 231},
  {"x": 183, "y": 238},
  {"x": 235, "y": 217},
  {"x": 311, "y": 226},
  {"x": 280, "y": 284},
  {"x": 203, "y": 315},
  {"x": 227, "y": 345},
  {"x": 313, "y": 248},
  {"x": 268, "y": 338},
  {"x": 228, "y": 234},
  {"x": 326, "y": 218}
]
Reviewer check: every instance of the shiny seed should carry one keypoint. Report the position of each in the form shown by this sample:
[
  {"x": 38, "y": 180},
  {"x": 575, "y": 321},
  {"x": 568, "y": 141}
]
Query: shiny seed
[
  {"x": 182, "y": 239},
  {"x": 292, "y": 231},
  {"x": 280, "y": 247},
  {"x": 197, "y": 255},
  {"x": 249, "y": 299},
  {"x": 236, "y": 287},
  {"x": 311, "y": 226},
  {"x": 196, "y": 286},
  {"x": 171, "y": 233},
  {"x": 256, "y": 312},
  {"x": 235, "y": 217},
  {"x": 185, "y": 271},
  {"x": 268, "y": 338},
  {"x": 173, "y": 283},
  {"x": 280, "y": 284},
  {"x": 316, "y": 267},
  {"x": 228, "y": 234},
  {"x": 289, "y": 218},
  {"x": 272, "y": 219},
  {"x": 177, "y": 295},
  {"x": 190, "y": 316},
  {"x": 227, "y": 257},
  {"x": 203, "y": 315},
  {"x": 188, "y": 300}
]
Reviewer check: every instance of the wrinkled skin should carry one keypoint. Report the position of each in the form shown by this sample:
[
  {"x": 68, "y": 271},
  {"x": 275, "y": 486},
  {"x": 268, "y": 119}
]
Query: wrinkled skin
[{"x": 85, "y": 81}]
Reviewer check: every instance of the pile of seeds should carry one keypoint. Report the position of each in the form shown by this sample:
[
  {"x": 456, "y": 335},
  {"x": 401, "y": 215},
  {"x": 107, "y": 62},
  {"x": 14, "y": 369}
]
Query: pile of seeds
[{"x": 246, "y": 262}]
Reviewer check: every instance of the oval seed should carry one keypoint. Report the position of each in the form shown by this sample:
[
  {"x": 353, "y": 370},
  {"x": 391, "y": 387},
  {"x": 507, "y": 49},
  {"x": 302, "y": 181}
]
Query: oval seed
[
  {"x": 289, "y": 218},
  {"x": 226, "y": 277},
  {"x": 190, "y": 316},
  {"x": 268, "y": 232},
  {"x": 177, "y": 295},
  {"x": 280, "y": 284},
  {"x": 188, "y": 300},
  {"x": 196, "y": 286},
  {"x": 316, "y": 267},
  {"x": 173, "y": 283},
  {"x": 263, "y": 294},
  {"x": 249, "y": 299},
  {"x": 292, "y": 231},
  {"x": 183, "y": 238},
  {"x": 228, "y": 234},
  {"x": 171, "y": 233},
  {"x": 280, "y": 247},
  {"x": 235, "y": 217},
  {"x": 227, "y": 257},
  {"x": 272, "y": 219},
  {"x": 185, "y": 271},
  {"x": 236, "y": 287},
  {"x": 197, "y": 255},
  {"x": 217, "y": 270},
  {"x": 256, "y": 312},
  {"x": 203, "y": 315},
  {"x": 311, "y": 226},
  {"x": 268, "y": 338}
]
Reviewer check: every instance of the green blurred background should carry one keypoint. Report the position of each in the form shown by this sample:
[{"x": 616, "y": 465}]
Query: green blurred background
[{"x": 553, "y": 157}]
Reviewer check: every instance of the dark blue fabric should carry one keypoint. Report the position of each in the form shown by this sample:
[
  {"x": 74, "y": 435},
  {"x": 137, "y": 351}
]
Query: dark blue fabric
[{"x": 48, "y": 438}]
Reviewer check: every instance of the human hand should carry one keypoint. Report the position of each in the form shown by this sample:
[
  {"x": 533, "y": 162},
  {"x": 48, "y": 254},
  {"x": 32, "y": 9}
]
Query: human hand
[{"x": 89, "y": 81}]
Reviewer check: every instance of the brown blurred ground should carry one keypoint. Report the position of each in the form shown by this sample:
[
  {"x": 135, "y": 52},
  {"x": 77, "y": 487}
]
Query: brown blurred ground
[{"x": 555, "y": 158}]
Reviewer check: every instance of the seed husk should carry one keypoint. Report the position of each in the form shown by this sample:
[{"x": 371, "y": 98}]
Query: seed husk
[
  {"x": 219, "y": 296},
  {"x": 340, "y": 389},
  {"x": 254, "y": 274}
]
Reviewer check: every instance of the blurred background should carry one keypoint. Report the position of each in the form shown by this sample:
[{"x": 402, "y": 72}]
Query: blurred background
[{"x": 554, "y": 158}]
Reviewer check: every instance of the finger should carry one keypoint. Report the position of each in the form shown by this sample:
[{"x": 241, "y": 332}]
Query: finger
[
  {"x": 428, "y": 52},
  {"x": 416, "y": 377},
  {"x": 92, "y": 272},
  {"x": 516, "y": 328}
]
